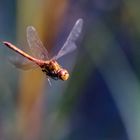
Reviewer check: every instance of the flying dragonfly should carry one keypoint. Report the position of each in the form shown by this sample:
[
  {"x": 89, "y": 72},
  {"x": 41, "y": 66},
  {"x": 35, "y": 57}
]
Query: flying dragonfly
[{"x": 40, "y": 54}]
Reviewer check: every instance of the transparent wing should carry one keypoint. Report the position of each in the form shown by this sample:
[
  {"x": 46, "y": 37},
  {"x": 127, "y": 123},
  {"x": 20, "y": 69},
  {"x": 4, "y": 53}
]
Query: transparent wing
[
  {"x": 24, "y": 65},
  {"x": 70, "y": 45},
  {"x": 35, "y": 44}
]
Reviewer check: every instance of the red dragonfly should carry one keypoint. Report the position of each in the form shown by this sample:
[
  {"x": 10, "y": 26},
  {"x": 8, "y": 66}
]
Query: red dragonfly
[{"x": 40, "y": 55}]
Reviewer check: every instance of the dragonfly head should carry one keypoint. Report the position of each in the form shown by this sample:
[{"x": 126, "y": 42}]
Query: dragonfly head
[{"x": 63, "y": 74}]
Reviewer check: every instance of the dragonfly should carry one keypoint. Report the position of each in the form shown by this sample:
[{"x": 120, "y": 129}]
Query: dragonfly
[{"x": 40, "y": 57}]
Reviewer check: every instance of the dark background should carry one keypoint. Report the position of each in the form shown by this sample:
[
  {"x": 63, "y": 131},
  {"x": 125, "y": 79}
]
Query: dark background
[{"x": 100, "y": 101}]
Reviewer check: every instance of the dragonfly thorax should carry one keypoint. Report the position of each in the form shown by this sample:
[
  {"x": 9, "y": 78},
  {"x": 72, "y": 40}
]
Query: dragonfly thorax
[
  {"x": 54, "y": 70},
  {"x": 54, "y": 66}
]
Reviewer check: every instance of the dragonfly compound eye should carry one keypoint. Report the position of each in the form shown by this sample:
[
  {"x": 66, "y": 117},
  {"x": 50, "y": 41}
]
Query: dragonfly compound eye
[{"x": 63, "y": 74}]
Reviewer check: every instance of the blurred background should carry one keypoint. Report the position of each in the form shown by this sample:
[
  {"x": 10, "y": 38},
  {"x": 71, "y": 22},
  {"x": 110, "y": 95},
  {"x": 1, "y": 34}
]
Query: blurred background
[{"x": 101, "y": 100}]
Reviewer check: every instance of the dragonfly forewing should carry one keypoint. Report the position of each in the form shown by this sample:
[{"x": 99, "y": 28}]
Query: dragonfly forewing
[
  {"x": 35, "y": 44},
  {"x": 70, "y": 44}
]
